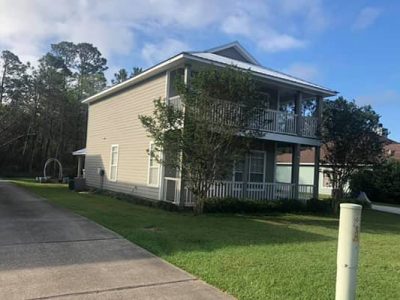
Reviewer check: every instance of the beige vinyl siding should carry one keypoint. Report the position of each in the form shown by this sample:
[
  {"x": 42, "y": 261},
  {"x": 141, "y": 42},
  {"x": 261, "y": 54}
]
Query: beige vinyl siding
[{"x": 114, "y": 121}]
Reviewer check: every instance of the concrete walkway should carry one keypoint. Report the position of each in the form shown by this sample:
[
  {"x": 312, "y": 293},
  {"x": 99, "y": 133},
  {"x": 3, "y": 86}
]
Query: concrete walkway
[
  {"x": 47, "y": 252},
  {"x": 386, "y": 208}
]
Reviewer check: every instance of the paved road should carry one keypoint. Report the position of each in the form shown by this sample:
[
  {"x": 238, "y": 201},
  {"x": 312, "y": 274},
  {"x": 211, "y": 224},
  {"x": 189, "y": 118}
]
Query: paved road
[
  {"x": 47, "y": 252},
  {"x": 386, "y": 208}
]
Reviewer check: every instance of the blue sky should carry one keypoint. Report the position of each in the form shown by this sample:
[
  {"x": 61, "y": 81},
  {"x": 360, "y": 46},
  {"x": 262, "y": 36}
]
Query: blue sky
[{"x": 351, "y": 46}]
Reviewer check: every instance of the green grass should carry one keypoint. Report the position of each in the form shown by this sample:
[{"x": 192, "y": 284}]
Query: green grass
[{"x": 250, "y": 257}]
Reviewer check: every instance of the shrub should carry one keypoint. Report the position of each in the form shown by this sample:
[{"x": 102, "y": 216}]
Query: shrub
[
  {"x": 235, "y": 205},
  {"x": 319, "y": 206},
  {"x": 381, "y": 184},
  {"x": 137, "y": 200}
]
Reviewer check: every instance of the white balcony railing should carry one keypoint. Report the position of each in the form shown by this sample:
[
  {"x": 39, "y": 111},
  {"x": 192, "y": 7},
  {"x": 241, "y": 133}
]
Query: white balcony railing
[
  {"x": 263, "y": 119},
  {"x": 254, "y": 191}
]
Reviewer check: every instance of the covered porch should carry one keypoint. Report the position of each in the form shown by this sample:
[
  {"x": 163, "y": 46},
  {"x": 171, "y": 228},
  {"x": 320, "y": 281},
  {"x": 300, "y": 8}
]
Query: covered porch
[{"x": 254, "y": 177}]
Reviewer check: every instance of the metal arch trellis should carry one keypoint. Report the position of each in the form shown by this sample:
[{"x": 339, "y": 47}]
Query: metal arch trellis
[{"x": 60, "y": 170}]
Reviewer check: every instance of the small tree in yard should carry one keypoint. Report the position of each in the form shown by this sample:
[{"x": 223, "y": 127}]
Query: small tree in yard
[
  {"x": 204, "y": 138},
  {"x": 351, "y": 141}
]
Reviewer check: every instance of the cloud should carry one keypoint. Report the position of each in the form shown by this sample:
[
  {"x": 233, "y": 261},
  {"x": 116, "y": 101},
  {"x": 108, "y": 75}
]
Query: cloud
[
  {"x": 157, "y": 52},
  {"x": 276, "y": 25},
  {"x": 303, "y": 71},
  {"x": 366, "y": 18},
  {"x": 124, "y": 27},
  {"x": 382, "y": 98}
]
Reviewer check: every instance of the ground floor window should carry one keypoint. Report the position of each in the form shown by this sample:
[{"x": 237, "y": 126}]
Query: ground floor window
[
  {"x": 256, "y": 166},
  {"x": 114, "y": 162},
  {"x": 238, "y": 169},
  {"x": 154, "y": 168}
]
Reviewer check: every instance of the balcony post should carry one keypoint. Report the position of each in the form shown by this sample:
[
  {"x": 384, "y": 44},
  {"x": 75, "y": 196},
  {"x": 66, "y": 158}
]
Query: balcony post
[
  {"x": 245, "y": 175},
  {"x": 297, "y": 108},
  {"x": 186, "y": 75},
  {"x": 296, "y": 170},
  {"x": 317, "y": 154},
  {"x": 318, "y": 110}
]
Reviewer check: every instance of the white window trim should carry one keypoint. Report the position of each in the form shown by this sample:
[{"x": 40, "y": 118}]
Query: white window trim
[
  {"x": 264, "y": 167},
  {"x": 116, "y": 164},
  {"x": 148, "y": 170}
]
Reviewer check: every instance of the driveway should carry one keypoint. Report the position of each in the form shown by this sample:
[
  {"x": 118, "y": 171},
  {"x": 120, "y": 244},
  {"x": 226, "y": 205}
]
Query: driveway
[
  {"x": 47, "y": 252},
  {"x": 386, "y": 208}
]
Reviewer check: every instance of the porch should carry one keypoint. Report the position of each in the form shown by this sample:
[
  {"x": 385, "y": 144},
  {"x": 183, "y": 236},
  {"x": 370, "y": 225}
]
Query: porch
[
  {"x": 254, "y": 177},
  {"x": 264, "y": 120},
  {"x": 259, "y": 192}
]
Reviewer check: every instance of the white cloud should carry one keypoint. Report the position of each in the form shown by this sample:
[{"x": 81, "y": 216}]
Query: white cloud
[
  {"x": 116, "y": 27},
  {"x": 277, "y": 25},
  {"x": 366, "y": 18},
  {"x": 156, "y": 52},
  {"x": 275, "y": 42},
  {"x": 379, "y": 98},
  {"x": 303, "y": 71}
]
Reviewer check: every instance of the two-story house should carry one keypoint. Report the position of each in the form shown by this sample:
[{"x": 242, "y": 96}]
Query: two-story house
[{"x": 116, "y": 156}]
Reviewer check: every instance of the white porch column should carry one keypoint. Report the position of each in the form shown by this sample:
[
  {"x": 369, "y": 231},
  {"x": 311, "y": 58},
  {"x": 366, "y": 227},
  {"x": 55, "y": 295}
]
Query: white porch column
[
  {"x": 79, "y": 172},
  {"x": 296, "y": 169},
  {"x": 245, "y": 174},
  {"x": 319, "y": 108},
  {"x": 317, "y": 155},
  {"x": 297, "y": 108}
]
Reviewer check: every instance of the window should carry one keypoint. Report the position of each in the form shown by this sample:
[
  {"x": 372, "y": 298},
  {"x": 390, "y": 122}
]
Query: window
[
  {"x": 154, "y": 168},
  {"x": 173, "y": 76},
  {"x": 326, "y": 182},
  {"x": 113, "y": 162},
  {"x": 256, "y": 166},
  {"x": 326, "y": 179},
  {"x": 238, "y": 170}
]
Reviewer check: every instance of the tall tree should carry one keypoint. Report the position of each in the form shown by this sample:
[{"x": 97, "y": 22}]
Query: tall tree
[
  {"x": 11, "y": 72},
  {"x": 135, "y": 71},
  {"x": 203, "y": 139},
  {"x": 120, "y": 76},
  {"x": 41, "y": 113},
  {"x": 349, "y": 133}
]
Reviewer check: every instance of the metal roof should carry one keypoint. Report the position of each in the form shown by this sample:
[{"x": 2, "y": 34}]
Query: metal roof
[
  {"x": 214, "y": 59},
  {"x": 259, "y": 69}
]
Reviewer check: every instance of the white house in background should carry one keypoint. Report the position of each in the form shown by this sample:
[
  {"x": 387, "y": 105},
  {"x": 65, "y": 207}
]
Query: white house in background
[
  {"x": 116, "y": 157},
  {"x": 307, "y": 167}
]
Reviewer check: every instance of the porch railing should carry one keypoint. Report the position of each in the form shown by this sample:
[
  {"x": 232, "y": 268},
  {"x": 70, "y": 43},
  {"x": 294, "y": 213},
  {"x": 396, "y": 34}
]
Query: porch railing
[
  {"x": 263, "y": 119},
  {"x": 254, "y": 191}
]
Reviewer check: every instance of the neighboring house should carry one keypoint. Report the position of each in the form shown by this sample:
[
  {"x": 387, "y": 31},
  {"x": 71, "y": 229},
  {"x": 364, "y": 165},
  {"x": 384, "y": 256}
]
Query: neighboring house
[
  {"x": 116, "y": 157},
  {"x": 307, "y": 156}
]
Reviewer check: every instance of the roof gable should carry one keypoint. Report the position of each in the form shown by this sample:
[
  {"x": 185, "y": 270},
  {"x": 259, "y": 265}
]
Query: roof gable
[{"x": 234, "y": 51}]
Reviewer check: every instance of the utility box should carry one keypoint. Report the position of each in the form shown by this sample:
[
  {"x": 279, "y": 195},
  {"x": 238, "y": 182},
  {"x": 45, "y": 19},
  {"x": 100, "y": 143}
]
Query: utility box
[{"x": 79, "y": 184}]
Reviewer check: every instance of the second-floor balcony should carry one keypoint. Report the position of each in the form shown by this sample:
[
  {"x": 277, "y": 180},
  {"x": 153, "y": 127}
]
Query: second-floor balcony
[{"x": 263, "y": 120}]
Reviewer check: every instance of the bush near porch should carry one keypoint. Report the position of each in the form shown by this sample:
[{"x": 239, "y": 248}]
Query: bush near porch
[
  {"x": 381, "y": 184},
  {"x": 235, "y": 205},
  {"x": 284, "y": 256}
]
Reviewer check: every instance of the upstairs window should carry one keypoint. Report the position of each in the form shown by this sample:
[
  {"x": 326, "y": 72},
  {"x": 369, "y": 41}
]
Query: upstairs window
[{"x": 113, "y": 162}]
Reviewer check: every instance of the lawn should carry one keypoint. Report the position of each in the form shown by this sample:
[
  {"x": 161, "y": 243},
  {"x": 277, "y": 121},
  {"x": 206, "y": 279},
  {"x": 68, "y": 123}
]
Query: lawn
[{"x": 251, "y": 257}]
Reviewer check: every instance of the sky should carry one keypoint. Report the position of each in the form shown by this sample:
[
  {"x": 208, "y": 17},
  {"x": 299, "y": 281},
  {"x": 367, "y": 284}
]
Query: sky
[{"x": 349, "y": 46}]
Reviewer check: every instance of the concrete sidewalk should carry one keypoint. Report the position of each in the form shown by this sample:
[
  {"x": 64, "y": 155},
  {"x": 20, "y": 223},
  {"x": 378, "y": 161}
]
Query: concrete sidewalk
[{"x": 47, "y": 252}]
